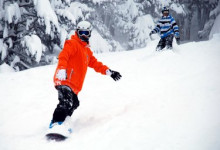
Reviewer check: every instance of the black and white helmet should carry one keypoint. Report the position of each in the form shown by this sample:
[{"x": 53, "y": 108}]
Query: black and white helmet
[
  {"x": 165, "y": 10},
  {"x": 84, "y": 29}
]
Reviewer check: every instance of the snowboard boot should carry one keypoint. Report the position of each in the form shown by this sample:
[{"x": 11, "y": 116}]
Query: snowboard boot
[
  {"x": 63, "y": 128},
  {"x": 54, "y": 124}
]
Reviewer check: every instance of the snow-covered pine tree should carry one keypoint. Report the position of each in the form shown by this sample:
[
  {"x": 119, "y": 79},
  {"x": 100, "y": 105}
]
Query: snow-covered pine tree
[
  {"x": 103, "y": 21},
  {"x": 212, "y": 15},
  {"x": 69, "y": 14},
  {"x": 31, "y": 31},
  {"x": 127, "y": 13},
  {"x": 26, "y": 31},
  {"x": 117, "y": 22}
]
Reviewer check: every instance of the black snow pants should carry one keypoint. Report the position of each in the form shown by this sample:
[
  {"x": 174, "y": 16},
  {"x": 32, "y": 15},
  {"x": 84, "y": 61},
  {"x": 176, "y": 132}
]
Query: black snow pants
[
  {"x": 68, "y": 102},
  {"x": 165, "y": 42}
]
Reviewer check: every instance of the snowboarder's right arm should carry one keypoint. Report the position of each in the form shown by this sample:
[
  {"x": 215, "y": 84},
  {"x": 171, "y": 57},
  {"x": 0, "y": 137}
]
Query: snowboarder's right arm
[
  {"x": 176, "y": 30},
  {"x": 156, "y": 29},
  {"x": 63, "y": 58}
]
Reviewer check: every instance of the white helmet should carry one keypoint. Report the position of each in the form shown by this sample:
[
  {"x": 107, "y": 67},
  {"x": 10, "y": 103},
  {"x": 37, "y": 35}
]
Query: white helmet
[
  {"x": 84, "y": 25},
  {"x": 84, "y": 29}
]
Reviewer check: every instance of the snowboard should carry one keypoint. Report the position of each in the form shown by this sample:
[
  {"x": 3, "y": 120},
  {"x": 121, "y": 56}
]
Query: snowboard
[{"x": 55, "y": 137}]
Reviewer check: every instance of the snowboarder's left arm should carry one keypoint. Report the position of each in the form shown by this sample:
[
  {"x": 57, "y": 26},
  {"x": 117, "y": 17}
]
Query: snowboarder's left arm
[
  {"x": 96, "y": 65},
  {"x": 103, "y": 69}
]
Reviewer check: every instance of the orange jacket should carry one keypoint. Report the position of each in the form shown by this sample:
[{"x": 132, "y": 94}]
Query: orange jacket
[{"x": 75, "y": 57}]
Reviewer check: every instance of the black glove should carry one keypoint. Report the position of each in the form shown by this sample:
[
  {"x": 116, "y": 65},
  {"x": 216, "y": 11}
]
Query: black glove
[
  {"x": 178, "y": 41},
  {"x": 177, "y": 36},
  {"x": 115, "y": 75},
  {"x": 152, "y": 32}
]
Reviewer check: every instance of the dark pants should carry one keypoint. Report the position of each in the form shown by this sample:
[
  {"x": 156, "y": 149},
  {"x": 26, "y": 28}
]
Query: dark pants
[
  {"x": 165, "y": 42},
  {"x": 68, "y": 102}
]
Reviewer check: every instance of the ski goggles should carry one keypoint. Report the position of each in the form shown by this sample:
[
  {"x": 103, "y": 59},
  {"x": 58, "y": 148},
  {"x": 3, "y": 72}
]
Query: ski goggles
[
  {"x": 84, "y": 32},
  {"x": 165, "y": 12}
]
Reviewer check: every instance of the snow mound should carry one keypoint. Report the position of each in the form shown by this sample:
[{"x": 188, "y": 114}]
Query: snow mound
[{"x": 4, "y": 68}]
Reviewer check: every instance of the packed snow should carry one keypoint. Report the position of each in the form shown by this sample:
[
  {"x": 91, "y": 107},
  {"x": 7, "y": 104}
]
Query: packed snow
[
  {"x": 165, "y": 100},
  {"x": 6, "y": 68}
]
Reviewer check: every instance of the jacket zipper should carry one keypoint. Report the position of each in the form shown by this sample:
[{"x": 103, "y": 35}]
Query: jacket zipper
[{"x": 71, "y": 73}]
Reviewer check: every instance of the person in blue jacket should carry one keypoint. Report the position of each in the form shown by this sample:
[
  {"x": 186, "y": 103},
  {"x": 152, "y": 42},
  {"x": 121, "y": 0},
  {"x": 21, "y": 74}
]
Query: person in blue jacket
[{"x": 167, "y": 28}]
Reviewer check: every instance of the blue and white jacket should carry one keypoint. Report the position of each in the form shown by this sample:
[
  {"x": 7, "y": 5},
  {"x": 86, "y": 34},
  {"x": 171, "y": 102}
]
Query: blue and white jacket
[{"x": 166, "y": 26}]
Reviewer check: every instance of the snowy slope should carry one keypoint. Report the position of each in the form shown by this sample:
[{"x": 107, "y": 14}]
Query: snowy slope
[{"x": 165, "y": 101}]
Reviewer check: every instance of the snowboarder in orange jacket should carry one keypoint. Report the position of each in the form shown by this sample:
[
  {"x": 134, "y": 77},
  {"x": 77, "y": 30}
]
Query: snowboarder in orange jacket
[{"x": 69, "y": 76}]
